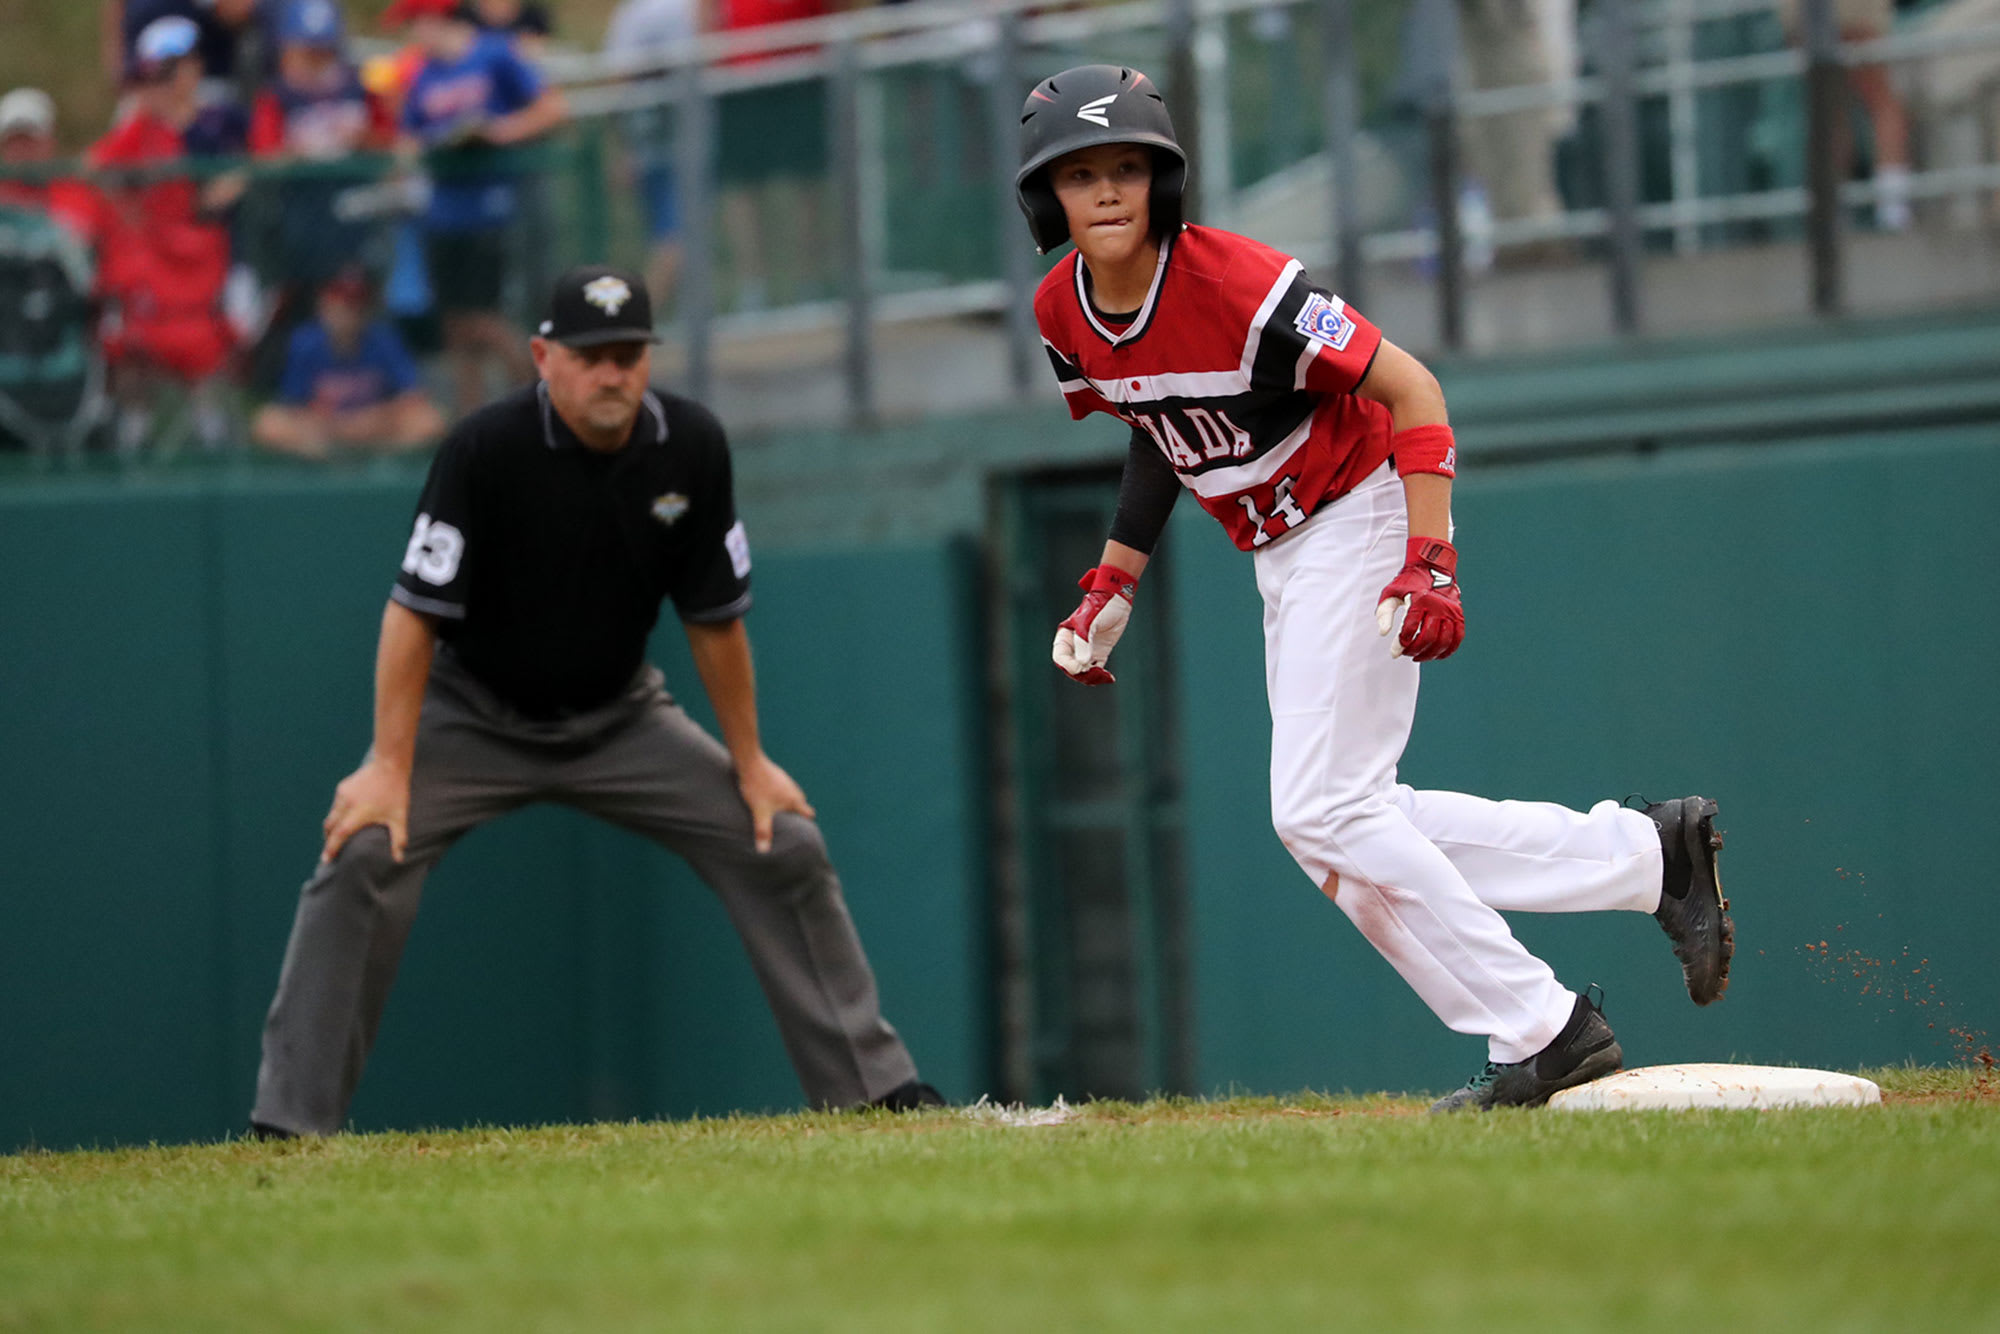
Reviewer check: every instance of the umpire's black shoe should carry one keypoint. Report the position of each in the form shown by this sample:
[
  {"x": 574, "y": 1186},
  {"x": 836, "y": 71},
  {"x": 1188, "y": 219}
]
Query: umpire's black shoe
[
  {"x": 913, "y": 1096},
  {"x": 1586, "y": 1049},
  {"x": 259, "y": 1130},
  {"x": 1692, "y": 910}
]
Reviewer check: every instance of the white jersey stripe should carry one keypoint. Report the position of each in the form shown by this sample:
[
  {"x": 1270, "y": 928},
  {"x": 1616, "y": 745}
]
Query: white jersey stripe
[
  {"x": 1220, "y": 483},
  {"x": 1173, "y": 384},
  {"x": 1291, "y": 270},
  {"x": 1305, "y": 363},
  {"x": 1142, "y": 319}
]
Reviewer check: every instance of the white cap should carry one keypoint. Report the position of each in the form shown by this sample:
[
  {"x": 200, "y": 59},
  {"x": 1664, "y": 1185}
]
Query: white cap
[
  {"x": 27, "y": 111},
  {"x": 167, "y": 38}
]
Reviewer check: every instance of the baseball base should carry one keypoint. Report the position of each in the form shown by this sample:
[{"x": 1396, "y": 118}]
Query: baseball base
[{"x": 1685, "y": 1087}]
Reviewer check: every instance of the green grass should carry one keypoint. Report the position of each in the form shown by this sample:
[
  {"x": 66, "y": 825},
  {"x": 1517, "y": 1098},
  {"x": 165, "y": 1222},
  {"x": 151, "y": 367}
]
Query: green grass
[{"x": 1246, "y": 1214}]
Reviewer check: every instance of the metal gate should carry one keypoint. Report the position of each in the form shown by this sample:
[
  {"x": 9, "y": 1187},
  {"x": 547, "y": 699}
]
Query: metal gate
[{"x": 1091, "y": 916}]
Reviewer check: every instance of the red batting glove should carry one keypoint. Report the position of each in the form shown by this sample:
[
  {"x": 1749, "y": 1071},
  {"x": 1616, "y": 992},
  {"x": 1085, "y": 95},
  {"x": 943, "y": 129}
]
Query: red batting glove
[
  {"x": 1434, "y": 624},
  {"x": 1084, "y": 641}
]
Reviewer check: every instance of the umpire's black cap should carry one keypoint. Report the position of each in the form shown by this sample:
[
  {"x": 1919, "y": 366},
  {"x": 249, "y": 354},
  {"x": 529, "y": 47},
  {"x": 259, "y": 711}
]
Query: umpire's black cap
[{"x": 594, "y": 304}]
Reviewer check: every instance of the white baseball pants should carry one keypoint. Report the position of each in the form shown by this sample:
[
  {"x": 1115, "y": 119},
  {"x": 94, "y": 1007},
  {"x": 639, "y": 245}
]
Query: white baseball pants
[{"x": 1423, "y": 875}]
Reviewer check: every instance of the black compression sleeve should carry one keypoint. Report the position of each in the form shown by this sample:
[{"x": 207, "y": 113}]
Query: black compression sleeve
[{"x": 1146, "y": 495}]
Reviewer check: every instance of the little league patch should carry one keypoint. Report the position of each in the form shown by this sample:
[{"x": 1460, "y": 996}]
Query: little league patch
[{"x": 1325, "y": 319}]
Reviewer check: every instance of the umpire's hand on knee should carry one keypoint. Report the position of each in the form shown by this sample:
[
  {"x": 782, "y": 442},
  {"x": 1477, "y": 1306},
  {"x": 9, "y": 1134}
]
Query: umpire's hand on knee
[
  {"x": 376, "y": 793},
  {"x": 766, "y": 790}
]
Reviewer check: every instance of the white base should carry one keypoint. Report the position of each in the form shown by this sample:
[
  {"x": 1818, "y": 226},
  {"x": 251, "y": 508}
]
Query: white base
[{"x": 1680, "y": 1087}]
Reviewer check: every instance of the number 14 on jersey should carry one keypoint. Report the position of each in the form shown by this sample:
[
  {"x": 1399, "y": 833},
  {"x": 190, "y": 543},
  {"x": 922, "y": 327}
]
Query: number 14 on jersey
[{"x": 1283, "y": 507}]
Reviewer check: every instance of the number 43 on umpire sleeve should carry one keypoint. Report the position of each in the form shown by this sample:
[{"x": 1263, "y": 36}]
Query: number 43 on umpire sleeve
[
  {"x": 434, "y": 551},
  {"x": 1283, "y": 507}
]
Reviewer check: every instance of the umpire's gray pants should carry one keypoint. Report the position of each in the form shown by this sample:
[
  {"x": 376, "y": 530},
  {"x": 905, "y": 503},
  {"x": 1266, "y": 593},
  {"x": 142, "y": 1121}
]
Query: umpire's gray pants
[{"x": 640, "y": 762}]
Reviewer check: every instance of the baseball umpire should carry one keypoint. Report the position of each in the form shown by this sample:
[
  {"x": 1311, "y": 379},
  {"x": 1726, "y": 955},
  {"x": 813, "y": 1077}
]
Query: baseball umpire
[{"x": 511, "y": 669}]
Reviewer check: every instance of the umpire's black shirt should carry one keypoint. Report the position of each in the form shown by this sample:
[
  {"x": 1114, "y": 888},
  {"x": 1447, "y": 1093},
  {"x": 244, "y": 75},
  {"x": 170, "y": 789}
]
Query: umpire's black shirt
[{"x": 543, "y": 562}]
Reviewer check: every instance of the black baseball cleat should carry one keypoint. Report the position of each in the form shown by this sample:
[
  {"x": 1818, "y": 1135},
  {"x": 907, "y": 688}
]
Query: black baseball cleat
[
  {"x": 260, "y": 1130},
  {"x": 1692, "y": 910},
  {"x": 1586, "y": 1049},
  {"x": 913, "y": 1096}
]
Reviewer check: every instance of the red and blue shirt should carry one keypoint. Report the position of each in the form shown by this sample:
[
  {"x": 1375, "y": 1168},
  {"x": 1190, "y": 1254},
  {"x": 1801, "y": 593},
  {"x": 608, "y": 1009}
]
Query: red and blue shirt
[{"x": 449, "y": 97}]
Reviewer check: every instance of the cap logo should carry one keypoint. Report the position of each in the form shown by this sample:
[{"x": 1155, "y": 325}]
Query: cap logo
[
  {"x": 1096, "y": 111},
  {"x": 608, "y": 294}
]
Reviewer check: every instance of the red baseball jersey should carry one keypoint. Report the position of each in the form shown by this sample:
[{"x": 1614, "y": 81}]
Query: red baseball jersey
[{"x": 1241, "y": 371}]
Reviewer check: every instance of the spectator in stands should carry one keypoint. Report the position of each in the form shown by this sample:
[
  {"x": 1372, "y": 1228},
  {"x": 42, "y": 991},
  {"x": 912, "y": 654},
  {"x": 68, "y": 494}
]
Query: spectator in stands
[
  {"x": 473, "y": 94},
  {"x": 642, "y": 29},
  {"x": 163, "y": 244},
  {"x": 524, "y": 22},
  {"x": 317, "y": 112},
  {"x": 223, "y": 26},
  {"x": 526, "y": 25},
  {"x": 28, "y": 145},
  {"x": 771, "y": 160},
  {"x": 349, "y": 383},
  {"x": 1506, "y": 43},
  {"x": 1863, "y": 21},
  {"x": 49, "y": 396}
]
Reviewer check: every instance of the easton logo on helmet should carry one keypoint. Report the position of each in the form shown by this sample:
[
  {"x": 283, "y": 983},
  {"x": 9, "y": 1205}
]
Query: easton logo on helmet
[{"x": 1094, "y": 112}]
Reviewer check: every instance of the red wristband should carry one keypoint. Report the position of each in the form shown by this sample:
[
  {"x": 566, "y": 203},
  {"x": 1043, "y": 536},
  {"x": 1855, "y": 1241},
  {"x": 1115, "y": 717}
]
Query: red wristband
[
  {"x": 1425, "y": 449},
  {"x": 1434, "y": 552},
  {"x": 1110, "y": 579}
]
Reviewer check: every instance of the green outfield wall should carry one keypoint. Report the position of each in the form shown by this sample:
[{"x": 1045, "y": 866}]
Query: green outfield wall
[
  {"x": 1803, "y": 630},
  {"x": 1806, "y": 632},
  {"x": 187, "y": 672}
]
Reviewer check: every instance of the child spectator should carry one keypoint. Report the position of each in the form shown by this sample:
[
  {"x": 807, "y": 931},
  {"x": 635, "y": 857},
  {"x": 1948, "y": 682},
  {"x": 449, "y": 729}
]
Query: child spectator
[
  {"x": 348, "y": 384},
  {"x": 317, "y": 112},
  {"x": 526, "y": 23},
  {"x": 164, "y": 248},
  {"x": 473, "y": 93},
  {"x": 221, "y": 26}
]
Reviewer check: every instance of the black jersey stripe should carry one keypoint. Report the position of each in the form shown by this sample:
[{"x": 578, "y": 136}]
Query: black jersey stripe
[
  {"x": 1067, "y": 374},
  {"x": 1280, "y": 342}
]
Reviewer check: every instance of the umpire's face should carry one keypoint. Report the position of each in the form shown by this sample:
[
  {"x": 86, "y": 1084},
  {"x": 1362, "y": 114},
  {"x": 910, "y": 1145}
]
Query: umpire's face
[{"x": 597, "y": 390}]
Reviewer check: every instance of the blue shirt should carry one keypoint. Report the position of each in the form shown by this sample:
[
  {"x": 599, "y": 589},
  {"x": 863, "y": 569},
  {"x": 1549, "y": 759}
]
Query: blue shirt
[
  {"x": 316, "y": 375},
  {"x": 447, "y": 97}
]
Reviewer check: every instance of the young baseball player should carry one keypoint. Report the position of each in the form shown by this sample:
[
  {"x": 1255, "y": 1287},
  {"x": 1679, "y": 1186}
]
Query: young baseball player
[{"x": 1324, "y": 450}]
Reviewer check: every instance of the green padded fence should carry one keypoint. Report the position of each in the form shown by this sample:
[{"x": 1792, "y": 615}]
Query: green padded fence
[
  {"x": 1798, "y": 629},
  {"x": 186, "y": 675}
]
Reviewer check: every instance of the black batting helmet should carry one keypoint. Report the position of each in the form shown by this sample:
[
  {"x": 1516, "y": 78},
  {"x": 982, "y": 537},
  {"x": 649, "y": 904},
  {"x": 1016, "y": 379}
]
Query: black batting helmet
[{"x": 1084, "y": 107}]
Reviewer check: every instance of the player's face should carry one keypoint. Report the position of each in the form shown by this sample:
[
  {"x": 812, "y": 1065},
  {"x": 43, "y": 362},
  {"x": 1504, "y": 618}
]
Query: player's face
[
  {"x": 1104, "y": 193},
  {"x": 596, "y": 389}
]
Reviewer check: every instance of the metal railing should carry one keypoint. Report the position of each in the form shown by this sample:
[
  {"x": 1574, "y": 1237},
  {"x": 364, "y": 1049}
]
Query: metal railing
[
  {"x": 975, "y": 261},
  {"x": 1643, "y": 49}
]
